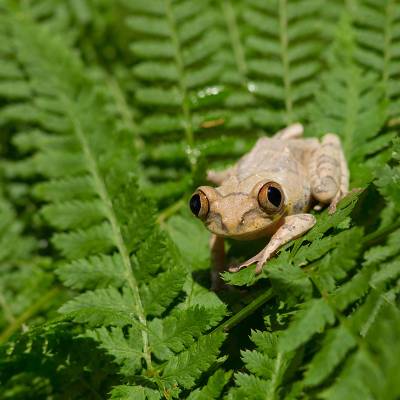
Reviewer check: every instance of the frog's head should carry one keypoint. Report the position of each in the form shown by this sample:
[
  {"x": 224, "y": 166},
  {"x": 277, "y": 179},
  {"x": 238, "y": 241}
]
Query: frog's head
[{"x": 243, "y": 213}]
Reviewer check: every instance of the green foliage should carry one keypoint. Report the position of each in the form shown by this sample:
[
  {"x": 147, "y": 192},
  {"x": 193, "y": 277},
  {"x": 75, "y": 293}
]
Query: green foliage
[
  {"x": 110, "y": 115},
  {"x": 108, "y": 226}
]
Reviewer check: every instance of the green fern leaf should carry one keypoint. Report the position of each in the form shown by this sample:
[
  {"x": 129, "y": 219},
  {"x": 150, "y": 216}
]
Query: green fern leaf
[
  {"x": 377, "y": 34},
  {"x": 102, "y": 307},
  {"x": 74, "y": 214},
  {"x": 87, "y": 164},
  {"x": 127, "y": 350},
  {"x": 336, "y": 344},
  {"x": 214, "y": 387},
  {"x": 176, "y": 332},
  {"x": 125, "y": 392},
  {"x": 188, "y": 365},
  {"x": 312, "y": 318},
  {"x": 93, "y": 272},
  {"x": 81, "y": 243},
  {"x": 162, "y": 290},
  {"x": 343, "y": 105},
  {"x": 268, "y": 366},
  {"x": 388, "y": 177}
]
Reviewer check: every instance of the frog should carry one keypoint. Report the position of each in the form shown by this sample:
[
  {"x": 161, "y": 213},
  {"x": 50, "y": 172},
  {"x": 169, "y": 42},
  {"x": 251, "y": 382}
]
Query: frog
[{"x": 269, "y": 193}]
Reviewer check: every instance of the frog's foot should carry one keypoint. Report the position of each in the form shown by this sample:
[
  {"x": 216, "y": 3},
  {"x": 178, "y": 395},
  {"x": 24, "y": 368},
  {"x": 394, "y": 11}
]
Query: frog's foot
[
  {"x": 259, "y": 258},
  {"x": 293, "y": 227}
]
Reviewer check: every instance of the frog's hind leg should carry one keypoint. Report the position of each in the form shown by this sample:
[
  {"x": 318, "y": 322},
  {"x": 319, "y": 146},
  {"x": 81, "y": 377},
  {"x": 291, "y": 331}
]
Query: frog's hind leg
[
  {"x": 217, "y": 248},
  {"x": 294, "y": 131},
  {"x": 329, "y": 174}
]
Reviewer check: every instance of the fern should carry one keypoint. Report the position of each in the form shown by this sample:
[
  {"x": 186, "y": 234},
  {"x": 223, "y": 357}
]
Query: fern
[
  {"x": 111, "y": 111},
  {"x": 268, "y": 367},
  {"x": 377, "y": 32},
  {"x": 112, "y": 233},
  {"x": 184, "y": 51},
  {"x": 345, "y": 106},
  {"x": 21, "y": 270}
]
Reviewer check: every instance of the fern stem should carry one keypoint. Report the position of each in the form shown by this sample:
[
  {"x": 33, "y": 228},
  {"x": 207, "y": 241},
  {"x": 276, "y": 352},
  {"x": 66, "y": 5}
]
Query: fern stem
[
  {"x": 28, "y": 313},
  {"x": 181, "y": 73},
  {"x": 119, "y": 241},
  {"x": 283, "y": 35},
  {"x": 273, "y": 387},
  {"x": 234, "y": 36},
  {"x": 379, "y": 235},
  {"x": 245, "y": 312}
]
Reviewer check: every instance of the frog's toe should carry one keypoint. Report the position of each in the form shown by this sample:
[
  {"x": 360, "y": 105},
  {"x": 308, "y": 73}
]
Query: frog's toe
[
  {"x": 259, "y": 259},
  {"x": 260, "y": 266},
  {"x": 237, "y": 268}
]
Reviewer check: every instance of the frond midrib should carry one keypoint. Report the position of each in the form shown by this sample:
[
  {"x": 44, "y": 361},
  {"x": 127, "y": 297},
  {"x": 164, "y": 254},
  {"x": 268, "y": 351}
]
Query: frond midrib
[{"x": 111, "y": 216}]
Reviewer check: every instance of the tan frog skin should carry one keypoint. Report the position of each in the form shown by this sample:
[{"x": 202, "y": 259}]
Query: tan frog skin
[{"x": 269, "y": 191}]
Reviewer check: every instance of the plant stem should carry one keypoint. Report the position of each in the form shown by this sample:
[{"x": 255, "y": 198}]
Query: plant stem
[
  {"x": 245, "y": 312},
  {"x": 379, "y": 235},
  {"x": 27, "y": 314}
]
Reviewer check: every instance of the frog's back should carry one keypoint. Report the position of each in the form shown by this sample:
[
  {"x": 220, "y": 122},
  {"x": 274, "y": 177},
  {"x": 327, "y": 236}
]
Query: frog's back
[{"x": 276, "y": 156}]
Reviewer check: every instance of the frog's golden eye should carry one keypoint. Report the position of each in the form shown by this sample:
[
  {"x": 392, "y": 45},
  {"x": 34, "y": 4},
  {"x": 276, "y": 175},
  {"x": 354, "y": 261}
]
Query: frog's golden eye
[
  {"x": 270, "y": 197},
  {"x": 199, "y": 204}
]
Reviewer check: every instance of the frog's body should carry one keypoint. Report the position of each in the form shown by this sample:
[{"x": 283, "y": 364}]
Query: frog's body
[{"x": 290, "y": 171}]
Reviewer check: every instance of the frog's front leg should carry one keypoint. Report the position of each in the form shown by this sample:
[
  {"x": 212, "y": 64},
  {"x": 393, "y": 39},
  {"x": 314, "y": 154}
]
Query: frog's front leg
[
  {"x": 329, "y": 175},
  {"x": 217, "y": 249},
  {"x": 293, "y": 227}
]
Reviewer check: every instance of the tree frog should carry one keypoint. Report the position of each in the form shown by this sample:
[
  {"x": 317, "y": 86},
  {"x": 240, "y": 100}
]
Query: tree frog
[{"x": 269, "y": 192}]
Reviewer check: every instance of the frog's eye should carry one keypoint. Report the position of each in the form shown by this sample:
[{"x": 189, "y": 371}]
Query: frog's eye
[
  {"x": 199, "y": 204},
  {"x": 270, "y": 197}
]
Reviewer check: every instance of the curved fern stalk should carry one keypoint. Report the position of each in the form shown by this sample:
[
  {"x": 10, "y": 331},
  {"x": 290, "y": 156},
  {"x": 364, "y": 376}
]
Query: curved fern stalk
[
  {"x": 111, "y": 249},
  {"x": 351, "y": 103},
  {"x": 377, "y": 32}
]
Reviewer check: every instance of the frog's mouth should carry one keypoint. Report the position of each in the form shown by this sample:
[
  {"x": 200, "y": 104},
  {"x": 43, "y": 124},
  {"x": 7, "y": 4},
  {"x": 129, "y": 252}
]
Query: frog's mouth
[{"x": 246, "y": 231}]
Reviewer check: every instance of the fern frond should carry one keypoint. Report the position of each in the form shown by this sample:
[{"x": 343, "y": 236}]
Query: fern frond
[
  {"x": 25, "y": 285},
  {"x": 310, "y": 319},
  {"x": 389, "y": 177},
  {"x": 102, "y": 307},
  {"x": 93, "y": 272},
  {"x": 377, "y": 32},
  {"x": 284, "y": 46},
  {"x": 213, "y": 389},
  {"x": 336, "y": 345},
  {"x": 184, "y": 368},
  {"x": 351, "y": 103},
  {"x": 125, "y": 392},
  {"x": 268, "y": 366},
  {"x": 126, "y": 349},
  {"x": 106, "y": 230}
]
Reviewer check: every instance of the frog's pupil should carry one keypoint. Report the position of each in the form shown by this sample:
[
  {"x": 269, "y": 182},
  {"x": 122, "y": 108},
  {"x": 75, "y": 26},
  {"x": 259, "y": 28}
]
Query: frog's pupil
[
  {"x": 274, "y": 196},
  {"x": 195, "y": 204}
]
